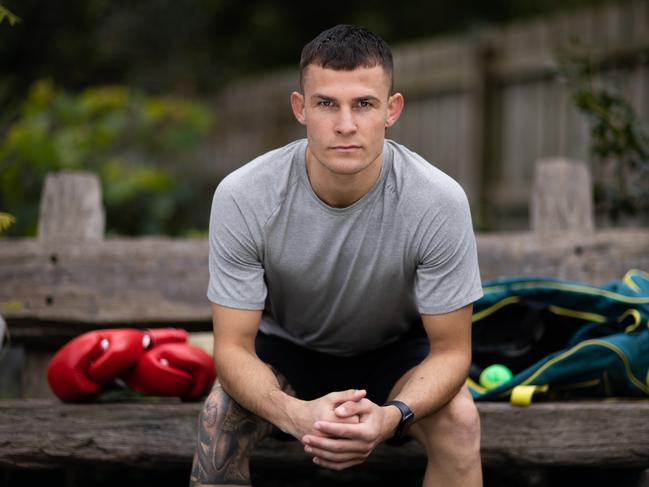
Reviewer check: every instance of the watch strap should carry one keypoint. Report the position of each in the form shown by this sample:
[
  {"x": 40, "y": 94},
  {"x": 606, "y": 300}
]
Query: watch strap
[{"x": 406, "y": 418}]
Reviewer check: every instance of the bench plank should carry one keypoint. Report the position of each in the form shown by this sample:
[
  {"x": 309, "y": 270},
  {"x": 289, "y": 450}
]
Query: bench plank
[
  {"x": 43, "y": 434},
  {"x": 164, "y": 280}
]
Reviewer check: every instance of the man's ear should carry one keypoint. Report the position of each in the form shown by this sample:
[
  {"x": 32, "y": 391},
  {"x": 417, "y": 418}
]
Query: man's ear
[
  {"x": 297, "y": 104},
  {"x": 395, "y": 107}
]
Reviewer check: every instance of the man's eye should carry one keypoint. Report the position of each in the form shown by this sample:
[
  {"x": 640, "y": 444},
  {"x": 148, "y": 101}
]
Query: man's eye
[
  {"x": 364, "y": 104},
  {"x": 325, "y": 103}
]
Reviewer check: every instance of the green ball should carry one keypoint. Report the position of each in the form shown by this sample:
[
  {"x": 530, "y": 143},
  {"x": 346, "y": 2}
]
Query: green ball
[{"x": 495, "y": 375}]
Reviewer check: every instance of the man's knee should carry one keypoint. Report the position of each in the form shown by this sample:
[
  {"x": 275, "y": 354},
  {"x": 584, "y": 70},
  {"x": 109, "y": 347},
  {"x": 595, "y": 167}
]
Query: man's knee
[
  {"x": 464, "y": 420},
  {"x": 227, "y": 432},
  {"x": 223, "y": 416},
  {"x": 456, "y": 426}
]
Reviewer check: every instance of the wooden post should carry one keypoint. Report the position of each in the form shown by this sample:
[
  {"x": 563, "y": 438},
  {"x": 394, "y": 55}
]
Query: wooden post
[
  {"x": 71, "y": 210},
  {"x": 562, "y": 198}
]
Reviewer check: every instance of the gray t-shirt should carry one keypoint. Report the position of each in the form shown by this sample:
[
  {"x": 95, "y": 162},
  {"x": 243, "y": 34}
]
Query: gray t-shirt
[{"x": 341, "y": 280}]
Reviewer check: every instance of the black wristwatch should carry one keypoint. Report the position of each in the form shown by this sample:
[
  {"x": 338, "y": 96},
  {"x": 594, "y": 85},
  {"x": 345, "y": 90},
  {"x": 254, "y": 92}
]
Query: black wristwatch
[{"x": 406, "y": 418}]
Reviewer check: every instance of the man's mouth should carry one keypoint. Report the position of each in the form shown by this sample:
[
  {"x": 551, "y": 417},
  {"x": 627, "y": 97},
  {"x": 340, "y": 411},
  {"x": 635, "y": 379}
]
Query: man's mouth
[{"x": 346, "y": 148}]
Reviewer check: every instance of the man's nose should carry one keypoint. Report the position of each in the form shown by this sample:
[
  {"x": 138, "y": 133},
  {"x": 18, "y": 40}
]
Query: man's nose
[{"x": 345, "y": 122}]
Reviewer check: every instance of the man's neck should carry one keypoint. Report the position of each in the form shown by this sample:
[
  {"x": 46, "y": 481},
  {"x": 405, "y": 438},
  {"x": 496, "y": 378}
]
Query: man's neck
[{"x": 341, "y": 190}]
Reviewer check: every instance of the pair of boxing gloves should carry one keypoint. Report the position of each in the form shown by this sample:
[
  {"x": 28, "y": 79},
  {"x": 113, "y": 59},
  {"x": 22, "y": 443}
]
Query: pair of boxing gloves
[{"x": 154, "y": 362}]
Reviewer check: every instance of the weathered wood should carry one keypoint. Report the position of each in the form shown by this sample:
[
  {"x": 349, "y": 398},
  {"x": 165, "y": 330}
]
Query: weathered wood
[
  {"x": 110, "y": 281},
  {"x": 581, "y": 433},
  {"x": 162, "y": 280},
  {"x": 592, "y": 259},
  {"x": 48, "y": 433},
  {"x": 39, "y": 433},
  {"x": 562, "y": 198},
  {"x": 71, "y": 208}
]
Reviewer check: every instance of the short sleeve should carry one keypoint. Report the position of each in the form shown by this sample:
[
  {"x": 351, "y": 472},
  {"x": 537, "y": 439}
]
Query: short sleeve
[
  {"x": 236, "y": 271},
  {"x": 447, "y": 276}
]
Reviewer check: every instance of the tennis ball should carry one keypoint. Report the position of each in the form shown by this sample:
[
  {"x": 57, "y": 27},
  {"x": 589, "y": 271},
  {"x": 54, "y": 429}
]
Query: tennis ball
[{"x": 494, "y": 375}]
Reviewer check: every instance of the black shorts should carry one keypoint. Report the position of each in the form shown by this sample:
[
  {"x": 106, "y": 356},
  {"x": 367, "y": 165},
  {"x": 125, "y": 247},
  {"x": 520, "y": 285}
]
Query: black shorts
[{"x": 313, "y": 374}]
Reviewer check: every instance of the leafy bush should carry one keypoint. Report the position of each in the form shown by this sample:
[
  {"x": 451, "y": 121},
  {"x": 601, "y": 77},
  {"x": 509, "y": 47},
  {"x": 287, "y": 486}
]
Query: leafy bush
[
  {"x": 619, "y": 140},
  {"x": 620, "y": 144},
  {"x": 136, "y": 144},
  {"x": 6, "y": 220}
]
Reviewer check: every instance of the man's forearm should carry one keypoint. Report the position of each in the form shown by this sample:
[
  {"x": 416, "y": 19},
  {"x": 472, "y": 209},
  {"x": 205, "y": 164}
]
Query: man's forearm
[
  {"x": 254, "y": 386},
  {"x": 439, "y": 378},
  {"x": 434, "y": 382}
]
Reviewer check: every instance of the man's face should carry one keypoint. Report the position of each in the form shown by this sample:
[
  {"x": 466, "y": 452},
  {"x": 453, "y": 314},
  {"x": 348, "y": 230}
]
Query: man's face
[{"x": 346, "y": 114}]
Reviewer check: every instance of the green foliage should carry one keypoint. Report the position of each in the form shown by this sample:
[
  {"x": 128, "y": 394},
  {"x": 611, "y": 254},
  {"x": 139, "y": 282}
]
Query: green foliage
[
  {"x": 619, "y": 140},
  {"x": 6, "y": 220},
  {"x": 132, "y": 141},
  {"x": 6, "y": 14}
]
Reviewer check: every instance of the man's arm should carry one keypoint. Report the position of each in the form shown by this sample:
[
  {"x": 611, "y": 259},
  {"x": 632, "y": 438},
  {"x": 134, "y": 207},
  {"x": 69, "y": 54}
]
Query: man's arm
[
  {"x": 428, "y": 387},
  {"x": 438, "y": 379},
  {"x": 253, "y": 384}
]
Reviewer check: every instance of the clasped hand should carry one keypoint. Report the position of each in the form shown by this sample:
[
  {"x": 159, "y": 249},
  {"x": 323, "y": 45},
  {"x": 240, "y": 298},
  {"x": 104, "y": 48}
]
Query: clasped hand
[{"x": 346, "y": 428}]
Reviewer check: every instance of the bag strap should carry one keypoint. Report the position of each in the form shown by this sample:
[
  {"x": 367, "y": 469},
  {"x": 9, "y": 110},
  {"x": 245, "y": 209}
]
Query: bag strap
[{"x": 522, "y": 394}]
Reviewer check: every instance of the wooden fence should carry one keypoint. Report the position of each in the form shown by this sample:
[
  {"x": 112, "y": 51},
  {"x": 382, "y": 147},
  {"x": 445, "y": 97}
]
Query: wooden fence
[{"x": 482, "y": 106}]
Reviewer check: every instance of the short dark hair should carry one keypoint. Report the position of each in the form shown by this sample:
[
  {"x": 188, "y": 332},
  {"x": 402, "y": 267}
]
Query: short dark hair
[{"x": 346, "y": 47}]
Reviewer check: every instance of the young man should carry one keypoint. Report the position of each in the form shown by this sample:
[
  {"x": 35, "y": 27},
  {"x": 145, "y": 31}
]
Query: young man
[{"x": 342, "y": 272}]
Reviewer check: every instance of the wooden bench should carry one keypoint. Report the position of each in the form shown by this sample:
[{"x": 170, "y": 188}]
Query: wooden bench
[
  {"x": 38, "y": 433},
  {"x": 45, "y": 434},
  {"x": 70, "y": 280}
]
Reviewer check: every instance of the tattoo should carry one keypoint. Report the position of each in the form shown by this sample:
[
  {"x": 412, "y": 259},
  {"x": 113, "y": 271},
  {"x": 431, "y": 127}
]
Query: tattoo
[{"x": 227, "y": 432}]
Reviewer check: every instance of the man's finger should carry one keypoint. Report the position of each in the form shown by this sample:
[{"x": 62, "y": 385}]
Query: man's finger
[
  {"x": 340, "y": 430},
  {"x": 352, "y": 419},
  {"x": 350, "y": 452},
  {"x": 338, "y": 457},
  {"x": 318, "y": 444},
  {"x": 348, "y": 395},
  {"x": 351, "y": 408}
]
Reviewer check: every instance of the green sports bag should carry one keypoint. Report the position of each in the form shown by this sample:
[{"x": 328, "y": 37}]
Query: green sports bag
[{"x": 562, "y": 338}]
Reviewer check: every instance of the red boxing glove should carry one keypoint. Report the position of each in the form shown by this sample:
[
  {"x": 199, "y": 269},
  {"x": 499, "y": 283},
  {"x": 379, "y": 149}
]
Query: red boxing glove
[
  {"x": 173, "y": 369},
  {"x": 158, "y": 336},
  {"x": 90, "y": 362},
  {"x": 84, "y": 365}
]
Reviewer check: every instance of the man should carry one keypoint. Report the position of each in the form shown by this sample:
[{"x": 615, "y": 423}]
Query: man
[{"x": 342, "y": 272}]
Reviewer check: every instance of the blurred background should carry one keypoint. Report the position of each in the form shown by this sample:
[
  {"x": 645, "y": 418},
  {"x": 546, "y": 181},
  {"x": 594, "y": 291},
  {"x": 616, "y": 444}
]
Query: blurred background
[{"x": 162, "y": 98}]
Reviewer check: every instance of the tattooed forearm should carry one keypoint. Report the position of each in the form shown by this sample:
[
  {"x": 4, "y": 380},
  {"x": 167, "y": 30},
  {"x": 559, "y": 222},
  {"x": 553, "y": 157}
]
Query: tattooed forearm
[{"x": 226, "y": 434}]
